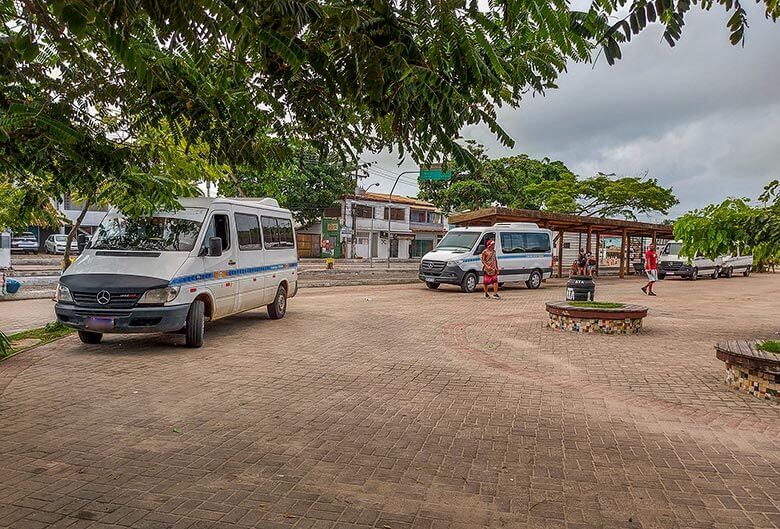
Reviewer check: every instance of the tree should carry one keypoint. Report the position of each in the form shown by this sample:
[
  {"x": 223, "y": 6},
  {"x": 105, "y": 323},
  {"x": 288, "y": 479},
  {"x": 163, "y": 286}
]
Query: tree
[
  {"x": 719, "y": 229},
  {"x": 346, "y": 76},
  {"x": 602, "y": 196},
  {"x": 501, "y": 181}
]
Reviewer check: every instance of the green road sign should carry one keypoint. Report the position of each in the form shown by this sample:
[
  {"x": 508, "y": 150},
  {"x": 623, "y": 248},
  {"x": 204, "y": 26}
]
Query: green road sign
[{"x": 434, "y": 172}]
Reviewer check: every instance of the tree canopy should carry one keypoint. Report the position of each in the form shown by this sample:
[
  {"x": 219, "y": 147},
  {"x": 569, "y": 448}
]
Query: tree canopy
[
  {"x": 719, "y": 229},
  {"x": 603, "y": 196},
  {"x": 502, "y": 181}
]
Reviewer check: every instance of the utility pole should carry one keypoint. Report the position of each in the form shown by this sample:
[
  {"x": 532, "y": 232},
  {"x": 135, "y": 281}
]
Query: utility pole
[{"x": 390, "y": 214}]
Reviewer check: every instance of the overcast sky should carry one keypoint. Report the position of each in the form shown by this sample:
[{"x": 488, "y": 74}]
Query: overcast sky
[{"x": 703, "y": 117}]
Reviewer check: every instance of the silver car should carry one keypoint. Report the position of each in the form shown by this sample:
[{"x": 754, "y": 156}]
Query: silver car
[
  {"x": 57, "y": 243},
  {"x": 24, "y": 242}
]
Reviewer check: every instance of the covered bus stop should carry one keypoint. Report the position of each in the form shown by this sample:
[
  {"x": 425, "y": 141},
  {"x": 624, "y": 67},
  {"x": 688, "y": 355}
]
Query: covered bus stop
[{"x": 593, "y": 228}]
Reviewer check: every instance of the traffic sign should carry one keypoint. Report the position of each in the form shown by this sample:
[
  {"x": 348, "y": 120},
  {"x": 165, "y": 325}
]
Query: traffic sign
[{"x": 434, "y": 172}]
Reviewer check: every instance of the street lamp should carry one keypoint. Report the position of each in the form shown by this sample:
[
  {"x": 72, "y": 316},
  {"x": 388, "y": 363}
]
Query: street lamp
[
  {"x": 390, "y": 213},
  {"x": 370, "y": 233}
]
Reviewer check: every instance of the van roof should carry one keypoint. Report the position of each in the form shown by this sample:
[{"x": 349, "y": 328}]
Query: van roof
[
  {"x": 205, "y": 202},
  {"x": 503, "y": 225}
]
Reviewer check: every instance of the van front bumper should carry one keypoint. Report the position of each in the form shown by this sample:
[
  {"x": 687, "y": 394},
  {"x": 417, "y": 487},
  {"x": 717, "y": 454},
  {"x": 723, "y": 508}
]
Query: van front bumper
[
  {"x": 136, "y": 320},
  {"x": 449, "y": 276}
]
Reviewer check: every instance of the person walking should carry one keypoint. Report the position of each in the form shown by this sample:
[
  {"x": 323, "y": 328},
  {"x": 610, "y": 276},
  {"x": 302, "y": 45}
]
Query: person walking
[
  {"x": 490, "y": 269},
  {"x": 651, "y": 269}
]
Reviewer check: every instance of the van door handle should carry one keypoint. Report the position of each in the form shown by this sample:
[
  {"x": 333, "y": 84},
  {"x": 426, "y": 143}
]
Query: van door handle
[{"x": 232, "y": 262}]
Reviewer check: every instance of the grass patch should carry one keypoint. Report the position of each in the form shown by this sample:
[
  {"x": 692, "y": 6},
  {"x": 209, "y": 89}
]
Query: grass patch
[
  {"x": 596, "y": 305},
  {"x": 770, "y": 346},
  {"x": 42, "y": 335}
]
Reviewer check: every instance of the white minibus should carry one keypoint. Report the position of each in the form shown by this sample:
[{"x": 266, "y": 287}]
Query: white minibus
[
  {"x": 173, "y": 271},
  {"x": 524, "y": 252}
]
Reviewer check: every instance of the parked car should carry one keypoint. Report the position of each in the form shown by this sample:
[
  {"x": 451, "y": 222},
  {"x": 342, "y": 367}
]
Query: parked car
[
  {"x": 671, "y": 263},
  {"x": 173, "y": 271},
  {"x": 524, "y": 252},
  {"x": 57, "y": 243},
  {"x": 25, "y": 242},
  {"x": 736, "y": 264}
]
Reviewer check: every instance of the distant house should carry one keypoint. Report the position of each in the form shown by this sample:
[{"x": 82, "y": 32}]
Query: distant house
[{"x": 360, "y": 225}]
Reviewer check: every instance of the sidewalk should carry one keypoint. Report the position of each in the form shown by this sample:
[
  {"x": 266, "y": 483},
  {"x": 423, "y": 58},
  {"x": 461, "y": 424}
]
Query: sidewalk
[{"x": 25, "y": 314}]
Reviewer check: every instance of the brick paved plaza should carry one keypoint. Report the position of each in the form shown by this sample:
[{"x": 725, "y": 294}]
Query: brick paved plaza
[{"x": 396, "y": 408}]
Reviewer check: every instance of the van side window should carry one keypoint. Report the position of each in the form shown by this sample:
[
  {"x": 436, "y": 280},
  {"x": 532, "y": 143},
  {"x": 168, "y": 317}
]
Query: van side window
[
  {"x": 278, "y": 233},
  {"x": 537, "y": 242},
  {"x": 219, "y": 226},
  {"x": 248, "y": 229},
  {"x": 513, "y": 242}
]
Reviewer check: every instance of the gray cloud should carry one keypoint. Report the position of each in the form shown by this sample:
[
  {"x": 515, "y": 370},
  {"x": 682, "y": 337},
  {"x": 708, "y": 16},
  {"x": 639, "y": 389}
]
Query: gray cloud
[{"x": 703, "y": 117}]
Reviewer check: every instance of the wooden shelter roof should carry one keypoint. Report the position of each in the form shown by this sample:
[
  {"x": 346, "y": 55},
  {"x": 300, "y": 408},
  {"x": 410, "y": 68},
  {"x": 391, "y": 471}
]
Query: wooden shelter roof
[{"x": 562, "y": 221}]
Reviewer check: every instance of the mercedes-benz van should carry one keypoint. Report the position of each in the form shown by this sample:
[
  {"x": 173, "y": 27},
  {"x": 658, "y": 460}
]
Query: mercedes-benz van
[
  {"x": 174, "y": 271},
  {"x": 524, "y": 252},
  {"x": 671, "y": 263}
]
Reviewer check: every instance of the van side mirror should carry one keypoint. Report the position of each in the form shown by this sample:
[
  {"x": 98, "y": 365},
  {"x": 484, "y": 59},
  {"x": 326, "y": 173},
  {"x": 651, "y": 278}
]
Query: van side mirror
[
  {"x": 215, "y": 247},
  {"x": 82, "y": 242},
  {"x": 480, "y": 248}
]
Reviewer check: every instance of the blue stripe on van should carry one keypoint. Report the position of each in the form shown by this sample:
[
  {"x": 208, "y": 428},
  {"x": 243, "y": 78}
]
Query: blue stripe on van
[
  {"x": 221, "y": 274},
  {"x": 512, "y": 256}
]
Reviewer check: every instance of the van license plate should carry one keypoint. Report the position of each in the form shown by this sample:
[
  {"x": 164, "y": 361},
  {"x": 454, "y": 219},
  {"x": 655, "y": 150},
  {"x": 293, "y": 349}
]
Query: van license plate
[
  {"x": 99, "y": 324},
  {"x": 670, "y": 273}
]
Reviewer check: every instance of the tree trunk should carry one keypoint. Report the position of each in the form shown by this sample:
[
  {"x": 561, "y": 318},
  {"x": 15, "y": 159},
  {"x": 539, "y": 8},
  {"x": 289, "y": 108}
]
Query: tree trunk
[
  {"x": 237, "y": 184},
  {"x": 73, "y": 231}
]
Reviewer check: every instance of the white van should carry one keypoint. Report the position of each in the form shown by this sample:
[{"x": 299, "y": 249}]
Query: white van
[
  {"x": 175, "y": 270},
  {"x": 670, "y": 263},
  {"x": 524, "y": 252}
]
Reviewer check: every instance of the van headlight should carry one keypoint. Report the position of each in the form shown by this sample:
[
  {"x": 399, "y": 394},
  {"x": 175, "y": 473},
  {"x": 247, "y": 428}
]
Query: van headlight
[
  {"x": 455, "y": 264},
  {"x": 159, "y": 296},
  {"x": 63, "y": 294}
]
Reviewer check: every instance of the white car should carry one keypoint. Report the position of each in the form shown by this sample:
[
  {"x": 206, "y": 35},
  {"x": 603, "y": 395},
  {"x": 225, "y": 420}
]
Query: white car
[{"x": 57, "y": 243}]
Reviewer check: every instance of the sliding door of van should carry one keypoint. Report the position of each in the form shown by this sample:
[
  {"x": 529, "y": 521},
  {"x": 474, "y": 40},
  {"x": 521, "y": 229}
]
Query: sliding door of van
[
  {"x": 512, "y": 253},
  {"x": 221, "y": 269},
  {"x": 251, "y": 259}
]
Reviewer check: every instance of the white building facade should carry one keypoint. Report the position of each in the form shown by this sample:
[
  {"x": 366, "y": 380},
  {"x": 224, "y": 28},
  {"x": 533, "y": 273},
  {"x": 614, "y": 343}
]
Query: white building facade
[{"x": 404, "y": 227}]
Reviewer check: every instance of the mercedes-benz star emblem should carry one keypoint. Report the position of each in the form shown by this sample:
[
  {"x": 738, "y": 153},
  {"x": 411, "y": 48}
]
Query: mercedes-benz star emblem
[{"x": 103, "y": 297}]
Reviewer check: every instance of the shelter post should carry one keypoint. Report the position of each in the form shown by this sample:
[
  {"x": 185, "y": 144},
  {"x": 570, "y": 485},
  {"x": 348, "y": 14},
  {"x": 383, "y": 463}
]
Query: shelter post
[
  {"x": 560, "y": 253},
  {"x": 598, "y": 252},
  {"x": 621, "y": 272}
]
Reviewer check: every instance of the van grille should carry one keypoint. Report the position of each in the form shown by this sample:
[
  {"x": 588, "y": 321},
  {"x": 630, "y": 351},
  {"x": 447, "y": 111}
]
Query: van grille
[
  {"x": 432, "y": 267},
  {"x": 118, "y": 300},
  {"x": 671, "y": 265}
]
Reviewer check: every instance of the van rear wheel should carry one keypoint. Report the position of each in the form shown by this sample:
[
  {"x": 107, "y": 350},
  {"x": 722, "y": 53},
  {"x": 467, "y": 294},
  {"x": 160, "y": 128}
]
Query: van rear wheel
[
  {"x": 535, "y": 280},
  {"x": 90, "y": 337},
  {"x": 196, "y": 321},
  {"x": 278, "y": 308},
  {"x": 747, "y": 271}
]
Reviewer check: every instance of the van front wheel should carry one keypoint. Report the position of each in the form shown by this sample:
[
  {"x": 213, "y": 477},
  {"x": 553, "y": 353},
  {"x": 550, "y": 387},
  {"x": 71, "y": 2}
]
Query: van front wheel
[
  {"x": 278, "y": 308},
  {"x": 196, "y": 320},
  {"x": 432, "y": 285},
  {"x": 90, "y": 337},
  {"x": 469, "y": 283}
]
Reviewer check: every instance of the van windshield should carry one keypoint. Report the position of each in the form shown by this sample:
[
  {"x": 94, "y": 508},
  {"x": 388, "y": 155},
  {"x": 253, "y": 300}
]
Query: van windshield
[
  {"x": 672, "y": 248},
  {"x": 459, "y": 240},
  {"x": 163, "y": 232}
]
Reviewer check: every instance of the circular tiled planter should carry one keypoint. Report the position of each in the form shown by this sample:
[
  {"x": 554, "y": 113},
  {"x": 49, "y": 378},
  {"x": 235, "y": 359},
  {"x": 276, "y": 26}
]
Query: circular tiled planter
[
  {"x": 624, "y": 320},
  {"x": 750, "y": 370}
]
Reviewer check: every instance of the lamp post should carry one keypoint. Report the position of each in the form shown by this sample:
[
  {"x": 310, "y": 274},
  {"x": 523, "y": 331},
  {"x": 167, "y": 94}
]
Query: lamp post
[
  {"x": 390, "y": 213},
  {"x": 370, "y": 233}
]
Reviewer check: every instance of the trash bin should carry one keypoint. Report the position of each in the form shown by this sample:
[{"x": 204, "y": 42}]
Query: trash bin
[
  {"x": 12, "y": 285},
  {"x": 580, "y": 288}
]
